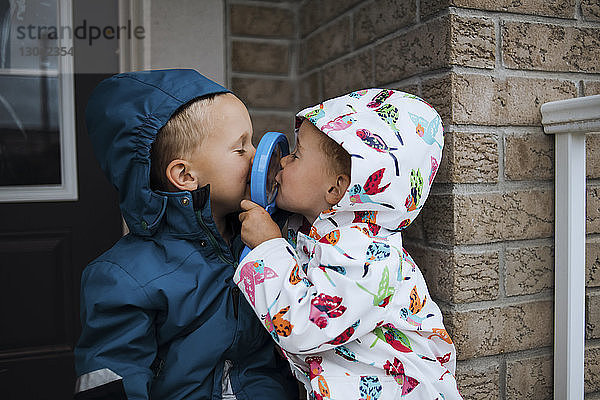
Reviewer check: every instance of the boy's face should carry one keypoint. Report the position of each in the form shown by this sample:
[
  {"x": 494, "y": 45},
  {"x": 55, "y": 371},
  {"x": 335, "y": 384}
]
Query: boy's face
[
  {"x": 224, "y": 159},
  {"x": 305, "y": 177}
]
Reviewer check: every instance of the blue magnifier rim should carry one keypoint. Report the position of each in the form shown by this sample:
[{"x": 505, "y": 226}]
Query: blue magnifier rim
[{"x": 260, "y": 166}]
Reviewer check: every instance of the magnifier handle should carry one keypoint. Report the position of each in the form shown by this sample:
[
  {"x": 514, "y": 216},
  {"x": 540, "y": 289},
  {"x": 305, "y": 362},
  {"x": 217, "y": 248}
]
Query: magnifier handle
[{"x": 270, "y": 209}]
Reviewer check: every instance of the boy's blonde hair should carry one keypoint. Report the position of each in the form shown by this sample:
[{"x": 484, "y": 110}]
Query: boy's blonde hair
[{"x": 179, "y": 138}]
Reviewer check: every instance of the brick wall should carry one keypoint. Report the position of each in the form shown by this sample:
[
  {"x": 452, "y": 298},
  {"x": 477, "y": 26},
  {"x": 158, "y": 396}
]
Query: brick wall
[
  {"x": 485, "y": 237},
  {"x": 261, "y": 40}
]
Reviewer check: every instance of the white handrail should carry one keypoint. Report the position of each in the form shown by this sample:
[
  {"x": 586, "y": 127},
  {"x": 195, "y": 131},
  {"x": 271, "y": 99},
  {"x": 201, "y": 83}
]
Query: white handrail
[{"x": 570, "y": 120}]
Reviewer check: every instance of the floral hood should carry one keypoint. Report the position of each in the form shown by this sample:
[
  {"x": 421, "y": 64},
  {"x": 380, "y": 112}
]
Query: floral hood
[{"x": 395, "y": 140}]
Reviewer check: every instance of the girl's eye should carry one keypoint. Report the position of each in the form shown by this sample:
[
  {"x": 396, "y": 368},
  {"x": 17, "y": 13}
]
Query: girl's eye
[{"x": 240, "y": 151}]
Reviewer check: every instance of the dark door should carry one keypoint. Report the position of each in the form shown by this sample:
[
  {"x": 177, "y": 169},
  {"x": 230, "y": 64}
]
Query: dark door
[{"x": 44, "y": 247}]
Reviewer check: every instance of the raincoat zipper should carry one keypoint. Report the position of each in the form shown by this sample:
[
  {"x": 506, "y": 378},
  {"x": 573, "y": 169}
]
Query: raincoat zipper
[
  {"x": 235, "y": 291},
  {"x": 214, "y": 242}
]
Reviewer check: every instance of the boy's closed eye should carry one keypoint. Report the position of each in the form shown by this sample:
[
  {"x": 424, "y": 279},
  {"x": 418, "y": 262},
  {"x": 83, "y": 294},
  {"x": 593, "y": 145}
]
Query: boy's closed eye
[{"x": 240, "y": 146}]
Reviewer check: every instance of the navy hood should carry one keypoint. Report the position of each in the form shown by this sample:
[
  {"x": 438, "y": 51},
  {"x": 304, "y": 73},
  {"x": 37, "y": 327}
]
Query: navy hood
[{"x": 123, "y": 116}]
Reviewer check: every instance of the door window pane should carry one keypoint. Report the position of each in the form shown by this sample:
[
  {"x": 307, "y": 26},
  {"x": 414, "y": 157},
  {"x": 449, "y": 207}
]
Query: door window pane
[{"x": 36, "y": 98}]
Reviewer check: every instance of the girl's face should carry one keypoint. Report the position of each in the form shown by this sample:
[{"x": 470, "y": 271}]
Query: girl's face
[
  {"x": 224, "y": 159},
  {"x": 305, "y": 178}
]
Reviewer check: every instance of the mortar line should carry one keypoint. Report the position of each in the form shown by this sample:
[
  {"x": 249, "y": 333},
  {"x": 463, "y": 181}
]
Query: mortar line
[
  {"x": 502, "y": 270},
  {"x": 261, "y": 75},
  {"x": 261, "y": 39},
  {"x": 526, "y": 18},
  {"x": 522, "y": 73},
  {"x": 263, "y": 4},
  {"x": 503, "y": 377},
  {"x": 512, "y": 301}
]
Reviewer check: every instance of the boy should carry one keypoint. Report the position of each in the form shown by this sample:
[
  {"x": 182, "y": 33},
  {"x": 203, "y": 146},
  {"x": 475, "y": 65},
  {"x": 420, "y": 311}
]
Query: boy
[
  {"x": 161, "y": 316},
  {"x": 344, "y": 299}
]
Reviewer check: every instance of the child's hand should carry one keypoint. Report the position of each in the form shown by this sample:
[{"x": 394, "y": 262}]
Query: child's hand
[{"x": 257, "y": 225}]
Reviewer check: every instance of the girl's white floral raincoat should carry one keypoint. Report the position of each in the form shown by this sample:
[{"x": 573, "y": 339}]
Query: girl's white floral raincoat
[{"x": 342, "y": 297}]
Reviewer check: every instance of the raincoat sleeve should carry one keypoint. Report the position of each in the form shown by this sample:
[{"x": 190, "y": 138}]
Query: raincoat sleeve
[
  {"x": 117, "y": 343},
  {"x": 331, "y": 299}
]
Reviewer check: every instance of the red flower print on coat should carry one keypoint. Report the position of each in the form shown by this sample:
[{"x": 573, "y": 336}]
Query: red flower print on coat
[
  {"x": 344, "y": 336},
  {"x": 397, "y": 371},
  {"x": 324, "y": 307}
]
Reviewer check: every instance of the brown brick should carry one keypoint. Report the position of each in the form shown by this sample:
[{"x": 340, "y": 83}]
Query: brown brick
[
  {"x": 377, "y": 19},
  {"x": 590, "y": 10},
  {"x": 349, "y": 74},
  {"x": 428, "y": 258},
  {"x": 478, "y": 382},
  {"x": 327, "y": 44},
  {"x": 437, "y": 91},
  {"x": 472, "y": 42},
  {"x": 530, "y": 378},
  {"x": 591, "y": 88},
  {"x": 416, "y": 51},
  {"x": 474, "y": 99},
  {"x": 439, "y": 43},
  {"x": 260, "y": 57},
  {"x": 592, "y": 316},
  {"x": 486, "y": 100},
  {"x": 459, "y": 277},
  {"x": 412, "y": 88},
  {"x": 415, "y": 229},
  {"x": 489, "y": 217},
  {"x": 529, "y": 157},
  {"x": 476, "y": 277},
  {"x": 315, "y": 13},
  {"x": 438, "y": 219},
  {"x": 261, "y": 21},
  {"x": 521, "y": 98},
  {"x": 499, "y": 330},
  {"x": 592, "y": 157},
  {"x": 472, "y": 157},
  {"x": 592, "y": 369},
  {"x": 445, "y": 173},
  {"x": 592, "y": 209},
  {"x": 494, "y": 217},
  {"x": 264, "y": 93},
  {"x": 592, "y": 263},
  {"x": 263, "y": 122},
  {"x": 546, "y": 47},
  {"x": 429, "y": 8},
  {"x": 529, "y": 270},
  {"x": 554, "y": 8},
  {"x": 308, "y": 88}
]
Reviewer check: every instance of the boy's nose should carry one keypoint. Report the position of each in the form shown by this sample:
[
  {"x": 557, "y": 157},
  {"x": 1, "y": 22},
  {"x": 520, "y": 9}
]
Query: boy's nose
[{"x": 284, "y": 160}]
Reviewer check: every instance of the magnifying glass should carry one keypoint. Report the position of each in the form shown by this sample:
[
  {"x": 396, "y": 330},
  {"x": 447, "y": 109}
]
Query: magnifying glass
[{"x": 273, "y": 146}]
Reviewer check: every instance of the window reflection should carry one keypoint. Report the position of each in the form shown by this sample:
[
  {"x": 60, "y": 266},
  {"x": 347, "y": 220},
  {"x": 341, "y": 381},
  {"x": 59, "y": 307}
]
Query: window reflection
[{"x": 29, "y": 97}]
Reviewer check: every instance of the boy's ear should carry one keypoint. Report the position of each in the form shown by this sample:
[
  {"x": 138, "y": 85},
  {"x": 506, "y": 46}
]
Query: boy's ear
[
  {"x": 180, "y": 174},
  {"x": 337, "y": 190}
]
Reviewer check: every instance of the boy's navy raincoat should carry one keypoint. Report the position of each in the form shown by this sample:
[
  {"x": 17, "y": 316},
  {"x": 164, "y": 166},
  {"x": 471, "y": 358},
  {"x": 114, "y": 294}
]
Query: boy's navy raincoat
[{"x": 161, "y": 316}]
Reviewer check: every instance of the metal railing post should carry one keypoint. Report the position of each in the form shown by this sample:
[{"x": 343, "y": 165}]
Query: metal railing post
[{"x": 569, "y": 120}]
